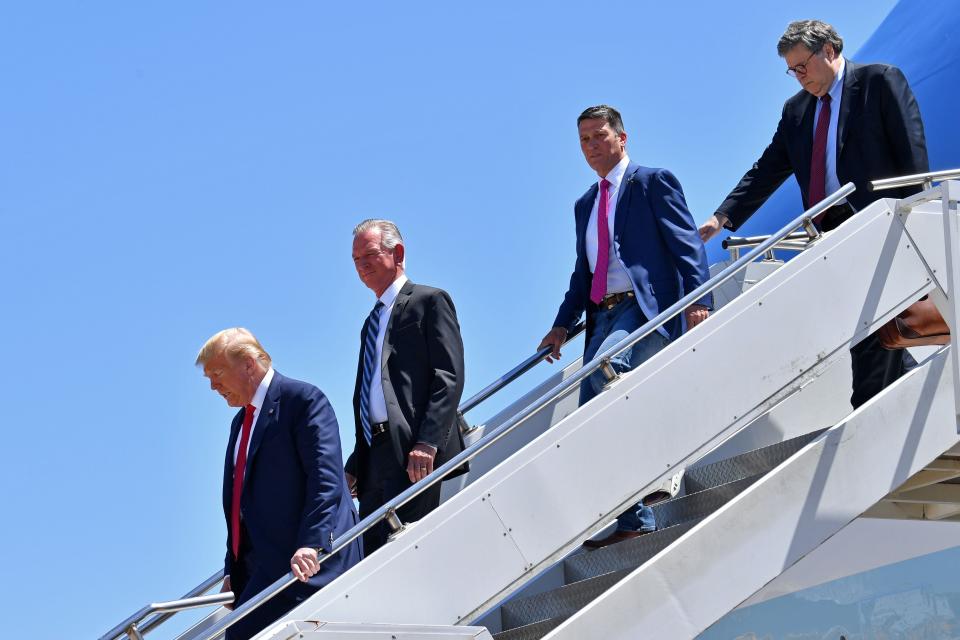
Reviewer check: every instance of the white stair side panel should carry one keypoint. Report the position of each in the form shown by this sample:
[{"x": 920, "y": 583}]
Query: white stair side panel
[
  {"x": 536, "y": 506},
  {"x": 783, "y": 517},
  {"x": 507, "y": 446},
  {"x": 307, "y": 630}
]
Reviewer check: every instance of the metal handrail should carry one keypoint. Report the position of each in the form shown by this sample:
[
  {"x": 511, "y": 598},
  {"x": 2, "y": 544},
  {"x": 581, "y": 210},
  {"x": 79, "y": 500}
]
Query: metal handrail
[
  {"x": 734, "y": 242},
  {"x": 793, "y": 242},
  {"x": 926, "y": 179},
  {"x": 601, "y": 362},
  {"x": 132, "y": 622},
  {"x": 166, "y": 609},
  {"x": 514, "y": 373}
]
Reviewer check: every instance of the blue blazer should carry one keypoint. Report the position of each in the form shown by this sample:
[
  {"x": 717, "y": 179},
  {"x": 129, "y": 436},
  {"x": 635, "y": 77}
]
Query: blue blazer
[
  {"x": 294, "y": 492},
  {"x": 654, "y": 237}
]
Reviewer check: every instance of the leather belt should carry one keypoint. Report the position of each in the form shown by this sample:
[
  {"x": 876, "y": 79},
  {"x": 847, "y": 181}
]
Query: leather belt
[
  {"x": 612, "y": 300},
  {"x": 379, "y": 428}
]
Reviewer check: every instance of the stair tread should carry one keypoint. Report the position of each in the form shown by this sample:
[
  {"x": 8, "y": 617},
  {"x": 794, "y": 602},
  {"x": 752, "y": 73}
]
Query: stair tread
[{"x": 533, "y": 631}]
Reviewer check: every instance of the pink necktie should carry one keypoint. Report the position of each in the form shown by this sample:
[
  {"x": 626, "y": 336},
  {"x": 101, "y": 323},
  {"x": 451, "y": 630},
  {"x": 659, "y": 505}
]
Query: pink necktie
[
  {"x": 818, "y": 163},
  {"x": 598, "y": 289},
  {"x": 238, "y": 468}
]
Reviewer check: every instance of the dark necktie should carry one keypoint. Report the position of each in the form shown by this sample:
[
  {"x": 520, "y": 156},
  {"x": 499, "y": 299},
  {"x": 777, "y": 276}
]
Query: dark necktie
[
  {"x": 370, "y": 367},
  {"x": 818, "y": 162},
  {"x": 239, "y": 466},
  {"x": 598, "y": 288}
]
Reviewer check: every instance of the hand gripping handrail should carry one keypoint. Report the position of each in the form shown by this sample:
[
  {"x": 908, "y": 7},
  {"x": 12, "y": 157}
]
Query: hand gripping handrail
[
  {"x": 601, "y": 362},
  {"x": 132, "y": 627}
]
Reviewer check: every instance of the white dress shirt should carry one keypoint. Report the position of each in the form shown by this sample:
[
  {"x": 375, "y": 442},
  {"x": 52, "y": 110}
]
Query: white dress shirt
[
  {"x": 836, "y": 95},
  {"x": 258, "y": 398},
  {"x": 378, "y": 404},
  {"x": 617, "y": 278}
]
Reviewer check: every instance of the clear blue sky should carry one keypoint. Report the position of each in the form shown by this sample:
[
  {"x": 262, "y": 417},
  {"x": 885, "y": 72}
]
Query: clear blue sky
[{"x": 172, "y": 169}]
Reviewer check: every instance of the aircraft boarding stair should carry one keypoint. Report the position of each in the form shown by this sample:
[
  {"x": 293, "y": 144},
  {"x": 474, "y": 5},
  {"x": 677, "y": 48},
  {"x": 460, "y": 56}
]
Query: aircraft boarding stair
[{"x": 503, "y": 554}]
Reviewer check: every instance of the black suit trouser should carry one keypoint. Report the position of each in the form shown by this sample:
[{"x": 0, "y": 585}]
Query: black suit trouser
[
  {"x": 874, "y": 368},
  {"x": 382, "y": 480}
]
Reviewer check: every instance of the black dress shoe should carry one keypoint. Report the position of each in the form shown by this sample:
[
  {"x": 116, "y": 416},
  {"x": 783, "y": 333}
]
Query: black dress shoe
[{"x": 613, "y": 538}]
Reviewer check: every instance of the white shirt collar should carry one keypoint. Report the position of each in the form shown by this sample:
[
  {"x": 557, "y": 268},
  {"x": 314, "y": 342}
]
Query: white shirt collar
[
  {"x": 615, "y": 177},
  {"x": 836, "y": 87},
  {"x": 261, "y": 392},
  {"x": 391, "y": 293}
]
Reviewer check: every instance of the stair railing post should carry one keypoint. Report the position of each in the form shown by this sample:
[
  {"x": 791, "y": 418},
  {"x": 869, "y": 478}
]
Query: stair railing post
[{"x": 951, "y": 232}]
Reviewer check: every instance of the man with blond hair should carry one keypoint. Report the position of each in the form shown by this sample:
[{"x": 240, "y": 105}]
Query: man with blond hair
[
  {"x": 284, "y": 496},
  {"x": 409, "y": 382}
]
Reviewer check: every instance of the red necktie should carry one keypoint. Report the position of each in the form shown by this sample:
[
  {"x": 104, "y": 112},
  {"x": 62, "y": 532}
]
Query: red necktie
[
  {"x": 238, "y": 468},
  {"x": 818, "y": 163},
  {"x": 598, "y": 289}
]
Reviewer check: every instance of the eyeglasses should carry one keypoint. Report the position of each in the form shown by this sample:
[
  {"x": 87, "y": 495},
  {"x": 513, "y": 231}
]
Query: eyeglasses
[{"x": 801, "y": 69}]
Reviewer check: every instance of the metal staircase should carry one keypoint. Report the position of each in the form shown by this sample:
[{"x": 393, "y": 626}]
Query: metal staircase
[
  {"x": 503, "y": 551},
  {"x": 589, "y": 574}
]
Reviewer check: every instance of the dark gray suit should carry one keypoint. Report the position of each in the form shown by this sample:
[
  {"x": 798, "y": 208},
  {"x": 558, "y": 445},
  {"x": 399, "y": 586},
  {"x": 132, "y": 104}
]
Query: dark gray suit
[
  {"x": 422, "y": 374},
  {"x": 879, "y": 135}
]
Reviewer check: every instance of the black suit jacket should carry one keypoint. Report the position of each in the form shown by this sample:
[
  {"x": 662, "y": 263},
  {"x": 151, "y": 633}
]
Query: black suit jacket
[
  {"x": 423, "y": 373},
  {"x": 879, "y": 135}
]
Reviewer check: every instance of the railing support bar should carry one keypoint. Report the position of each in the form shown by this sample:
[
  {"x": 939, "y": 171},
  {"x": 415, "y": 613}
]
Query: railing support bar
[{"x": 950, "y": 190}]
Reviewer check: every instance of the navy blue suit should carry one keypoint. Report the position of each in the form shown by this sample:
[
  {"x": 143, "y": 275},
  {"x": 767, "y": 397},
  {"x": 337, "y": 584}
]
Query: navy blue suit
[
  {"x": 294, "y": 495},
  {"x": 657, "y": 243},
  {"x": 656, "y": 240}
]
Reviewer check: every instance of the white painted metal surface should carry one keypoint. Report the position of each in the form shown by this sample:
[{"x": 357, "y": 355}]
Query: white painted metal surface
[
  {"x": 307, "y": 630},
  {"x": 750, "y": 541},
  {"x": 486, "y": 541}
]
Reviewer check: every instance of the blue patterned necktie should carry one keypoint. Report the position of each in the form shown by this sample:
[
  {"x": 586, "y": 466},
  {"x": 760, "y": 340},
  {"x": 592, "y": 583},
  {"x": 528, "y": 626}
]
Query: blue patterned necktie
[{"x": 369, "y": 368}]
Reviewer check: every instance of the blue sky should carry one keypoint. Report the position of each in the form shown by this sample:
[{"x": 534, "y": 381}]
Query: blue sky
[{"x": 172, "y": 169}]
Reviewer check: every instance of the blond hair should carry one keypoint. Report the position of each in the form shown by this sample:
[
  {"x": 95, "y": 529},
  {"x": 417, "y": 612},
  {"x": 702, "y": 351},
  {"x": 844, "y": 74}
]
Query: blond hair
[{"x": 234, "y": 342}]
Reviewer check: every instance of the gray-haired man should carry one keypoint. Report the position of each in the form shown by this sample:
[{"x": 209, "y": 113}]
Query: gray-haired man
[
  {"x": 849, "y": 123},
  {"x": 409, "y": 382}
]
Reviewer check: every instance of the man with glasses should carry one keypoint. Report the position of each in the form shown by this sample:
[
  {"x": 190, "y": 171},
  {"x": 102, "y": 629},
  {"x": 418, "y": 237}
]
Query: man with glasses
[{"x": 850, "y": 123}]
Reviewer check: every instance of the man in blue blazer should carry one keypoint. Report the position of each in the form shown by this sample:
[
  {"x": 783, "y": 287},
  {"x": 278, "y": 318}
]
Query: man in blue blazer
[
  {"x": 849, "y": 123},
  {"x": 284, "y": 495},
  {"x": 638, "y": 252}
]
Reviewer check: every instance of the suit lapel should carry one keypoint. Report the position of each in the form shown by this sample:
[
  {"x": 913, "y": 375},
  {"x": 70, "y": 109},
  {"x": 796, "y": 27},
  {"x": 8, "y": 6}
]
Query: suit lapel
[
  {"x": 228, "y": 461},
  {"x": 623, "y": 199},
  {"x": 582, "y": 217},
  {"x": 806, "y": 142},
  {"x": 403, "y": 297},
  {"x": 848, "y": 104},
  {"x": 265, "y": 421}
]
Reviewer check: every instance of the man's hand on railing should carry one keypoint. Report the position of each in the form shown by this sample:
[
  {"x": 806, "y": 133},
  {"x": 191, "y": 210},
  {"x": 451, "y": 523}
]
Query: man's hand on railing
[
  {"x": 711, "y": 227},
  {"x": 420, "y": 462},
  {"x": 304, "y": 563},
  {"x": 695, "y": 314},
  {"x": 554, "y": 339},
  {"x": 226, "y": 587}
]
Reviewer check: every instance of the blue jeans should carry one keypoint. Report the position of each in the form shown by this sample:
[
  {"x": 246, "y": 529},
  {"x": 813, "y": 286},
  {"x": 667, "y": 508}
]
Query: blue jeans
[{"x": 610, "y": 327}]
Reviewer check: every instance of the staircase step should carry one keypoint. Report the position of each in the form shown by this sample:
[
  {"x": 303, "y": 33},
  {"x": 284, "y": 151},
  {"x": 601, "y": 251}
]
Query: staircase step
[
  {"x": 701, "y": 504},
  {"x": 628, "y": 554},
  {"x": 744, "y": 465},
  {"x": 533, "y": 631},
  {"x": 558, "y": 603}
]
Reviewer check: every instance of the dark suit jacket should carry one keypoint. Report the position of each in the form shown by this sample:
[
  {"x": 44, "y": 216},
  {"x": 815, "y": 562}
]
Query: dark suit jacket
[
  {"x": 423, "y": 374},
  {"x": 294, "y": 492},
  {"x": 879, "y": 135},
  {"x": 656, "y": 239}
]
